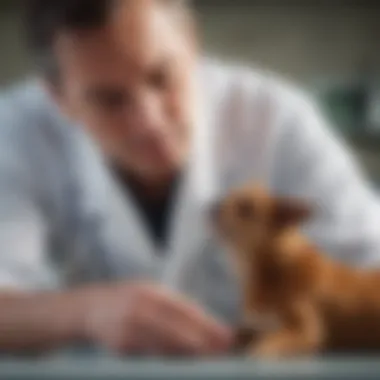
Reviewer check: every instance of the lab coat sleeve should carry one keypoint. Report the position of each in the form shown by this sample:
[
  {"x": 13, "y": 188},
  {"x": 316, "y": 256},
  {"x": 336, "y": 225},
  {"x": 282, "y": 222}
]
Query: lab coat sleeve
[
  {"x": 313, "y": 163},
  {"x": 24, "y": 263}
]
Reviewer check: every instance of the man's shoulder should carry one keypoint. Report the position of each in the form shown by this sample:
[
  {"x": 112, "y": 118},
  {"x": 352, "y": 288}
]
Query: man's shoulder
[
  {"x": 25, "y": 101},
  {"x": 28, "y": 115},
  {"x": 251, "y": 84},
  {"x": 33, "y": 133}
]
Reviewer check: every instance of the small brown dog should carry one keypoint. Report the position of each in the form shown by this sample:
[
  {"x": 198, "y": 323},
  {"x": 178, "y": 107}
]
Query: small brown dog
[{"x": 302, "y": 301}]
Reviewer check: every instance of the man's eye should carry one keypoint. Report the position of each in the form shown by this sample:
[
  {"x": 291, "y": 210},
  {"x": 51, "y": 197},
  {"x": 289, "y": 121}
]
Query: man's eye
[
  {"x": 245, "y": 210},
  {"x": 159, "y": 79},
  {"x": 111, "y": 100},
  {"x": 108, "y": 99}
]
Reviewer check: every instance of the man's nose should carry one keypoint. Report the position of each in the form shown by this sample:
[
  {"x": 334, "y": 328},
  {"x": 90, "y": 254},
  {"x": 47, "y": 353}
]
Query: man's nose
[{"x": 148, "y": 114}]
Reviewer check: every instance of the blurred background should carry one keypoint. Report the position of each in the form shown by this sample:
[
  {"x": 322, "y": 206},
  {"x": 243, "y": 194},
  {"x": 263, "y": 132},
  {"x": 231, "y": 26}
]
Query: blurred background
[{"x": 332, "y": 48}]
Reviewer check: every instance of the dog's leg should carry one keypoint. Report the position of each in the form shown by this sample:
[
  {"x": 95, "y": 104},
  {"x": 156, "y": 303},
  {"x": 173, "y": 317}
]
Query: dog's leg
[{"x": 301, "y": 334}]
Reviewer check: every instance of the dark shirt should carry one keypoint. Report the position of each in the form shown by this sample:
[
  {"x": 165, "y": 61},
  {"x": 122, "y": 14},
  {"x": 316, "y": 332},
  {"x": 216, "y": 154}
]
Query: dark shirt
[{"x": 156, "y": 214}]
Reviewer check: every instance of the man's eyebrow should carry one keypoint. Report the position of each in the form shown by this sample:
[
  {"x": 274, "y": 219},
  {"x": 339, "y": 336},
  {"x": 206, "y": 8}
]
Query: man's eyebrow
[
  {"x": 162, "y": 63},
  {"x": 101, "y": 89},
  {"x": 97, "y": 92}
]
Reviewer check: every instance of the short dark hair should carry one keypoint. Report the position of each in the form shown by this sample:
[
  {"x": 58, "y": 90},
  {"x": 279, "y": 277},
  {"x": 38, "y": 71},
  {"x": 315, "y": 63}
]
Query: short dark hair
[{"x": 44, "y": 19}]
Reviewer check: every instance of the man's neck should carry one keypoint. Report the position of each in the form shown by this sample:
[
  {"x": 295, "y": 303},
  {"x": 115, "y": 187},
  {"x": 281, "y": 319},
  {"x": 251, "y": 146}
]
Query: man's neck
[{"x": 153, "y": 190}]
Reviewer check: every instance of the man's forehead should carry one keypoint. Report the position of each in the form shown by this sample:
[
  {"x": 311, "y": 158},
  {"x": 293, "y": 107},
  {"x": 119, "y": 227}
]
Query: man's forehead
[
  {"x": 142, "y": 28},
  {"x": 136, "y": 37}
]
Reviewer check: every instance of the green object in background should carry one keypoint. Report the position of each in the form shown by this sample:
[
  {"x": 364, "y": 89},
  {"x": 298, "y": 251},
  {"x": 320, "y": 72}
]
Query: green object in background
[{"x": 346, "y": 108}]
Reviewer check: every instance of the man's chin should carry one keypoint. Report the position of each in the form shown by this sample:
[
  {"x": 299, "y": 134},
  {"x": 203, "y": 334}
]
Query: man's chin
[
  {"x": 158, "y": 173},
  {"x": 163, "y": 166},
  {"x": 153, "y": 170}
]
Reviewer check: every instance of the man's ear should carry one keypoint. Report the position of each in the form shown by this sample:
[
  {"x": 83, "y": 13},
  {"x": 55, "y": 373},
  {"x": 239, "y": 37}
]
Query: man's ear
[
  {"x": 55, "y": 93},
  {"x": 288, "y": 211}
]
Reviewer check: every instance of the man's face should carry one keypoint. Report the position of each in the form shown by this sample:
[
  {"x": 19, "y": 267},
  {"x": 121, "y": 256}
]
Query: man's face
[{"x": 131, "y": 85}]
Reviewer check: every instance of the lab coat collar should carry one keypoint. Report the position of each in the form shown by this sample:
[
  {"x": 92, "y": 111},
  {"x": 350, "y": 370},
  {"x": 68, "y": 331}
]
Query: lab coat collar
[{"x": 190, "y": 223}]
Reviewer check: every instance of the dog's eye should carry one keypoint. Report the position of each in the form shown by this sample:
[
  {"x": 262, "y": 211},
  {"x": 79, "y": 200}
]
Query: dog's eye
[{"x": 245, "y": 210}]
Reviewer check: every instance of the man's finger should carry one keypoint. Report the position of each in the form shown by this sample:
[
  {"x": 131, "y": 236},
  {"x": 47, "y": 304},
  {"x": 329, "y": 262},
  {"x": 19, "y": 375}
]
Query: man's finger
[
  {"x": 165, "y": 334},
  {"x": 214, "y": 332}
]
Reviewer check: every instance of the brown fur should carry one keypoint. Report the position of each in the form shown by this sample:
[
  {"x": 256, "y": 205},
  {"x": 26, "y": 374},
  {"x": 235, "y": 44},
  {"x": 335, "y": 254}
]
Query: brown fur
[{"x": 321, "y": 305}]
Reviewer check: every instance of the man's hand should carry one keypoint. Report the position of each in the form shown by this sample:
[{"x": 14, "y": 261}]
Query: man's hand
[{"x": 146, "y": 319}]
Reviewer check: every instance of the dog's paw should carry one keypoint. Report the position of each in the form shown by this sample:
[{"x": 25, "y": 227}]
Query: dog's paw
[
  {"x": 277, "y": 346},
  {"x": 278, "y": 349},
  {"x": 267, "y": 350}
]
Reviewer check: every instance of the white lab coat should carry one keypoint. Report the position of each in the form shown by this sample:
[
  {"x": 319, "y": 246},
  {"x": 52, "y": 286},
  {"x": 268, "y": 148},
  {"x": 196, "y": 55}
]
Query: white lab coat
[{"x": 65, "y": 221}]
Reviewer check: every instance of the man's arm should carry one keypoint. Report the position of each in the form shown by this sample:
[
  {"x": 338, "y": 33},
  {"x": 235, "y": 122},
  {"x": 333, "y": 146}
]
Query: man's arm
[
  {"x": 36, "y": 316},
  {"x": 311, "y": 162},
  {"x": 41, "y": 321},
  {"x": 27, "y": 319},
  {"x": 32, "y": 316},
  {"x": 116, "y": 316}
]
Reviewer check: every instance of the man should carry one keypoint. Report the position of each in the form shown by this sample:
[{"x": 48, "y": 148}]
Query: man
[{"x": 109, "y": 163}]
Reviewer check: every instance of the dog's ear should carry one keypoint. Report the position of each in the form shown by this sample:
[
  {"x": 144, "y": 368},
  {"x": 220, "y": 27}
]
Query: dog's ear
[{"x": 289, "y": 211}]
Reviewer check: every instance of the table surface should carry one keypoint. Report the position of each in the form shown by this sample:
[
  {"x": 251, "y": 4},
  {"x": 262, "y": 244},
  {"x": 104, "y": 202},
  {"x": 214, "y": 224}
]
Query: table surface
[{"x": 112, "y": 369}]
